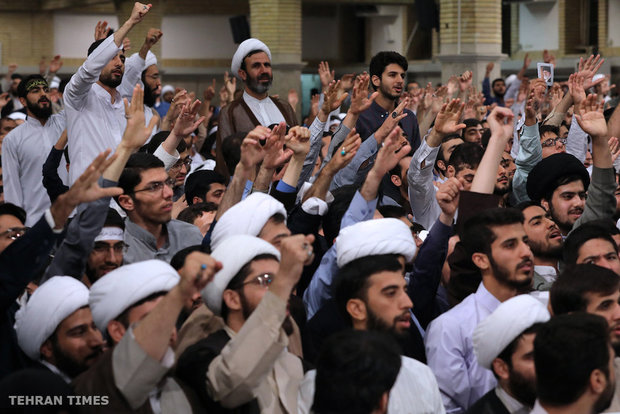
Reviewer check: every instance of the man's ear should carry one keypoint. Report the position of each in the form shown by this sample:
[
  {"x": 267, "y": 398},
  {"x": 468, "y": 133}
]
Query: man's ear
[
  {"x": 598, "y": 381},
  {"x": 396, "y": 180},
  {"x": 450, "y": 171},
  {"x": 383, "y": 402},
  {"x": 197, "y": 200},
  {"x": 544, "y": 204},
  {"x": 126, "y": 202},
  {"x": 242, "y": 74},
  {"x": 481, "y": 261},
  {"x": 232, "y": 299},
  {"x": 116, "y": 330},
  {"x": 441, "y": 165},
  {"x": 376, "y": 80},
  {"x": 500, "y": 367},
  {"x": 356, "y": 308},
  {"x": 46, "y": 350},
  {"x": 23, "y": 102}
]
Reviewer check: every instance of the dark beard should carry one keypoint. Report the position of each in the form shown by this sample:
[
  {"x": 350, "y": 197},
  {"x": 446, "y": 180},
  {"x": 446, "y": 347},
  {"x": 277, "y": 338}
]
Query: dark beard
[
  {"x": 539, "y": 251},
  {"x": 149, "y": 96},
  {"x": 42, "y": 113},
  {"x": 376, "y": 324},
  {"x": 108, "y": 81},
  {"x": 521, "y": 388},
  {"x": 67, "y": 364},
  {"x": 606, "y": 397},
  {"x": 246, "y": 311},
  {"x": 503, "y": 277},
  {"x": 565, "y": 227},
  {"x": 257, "y": 87}
]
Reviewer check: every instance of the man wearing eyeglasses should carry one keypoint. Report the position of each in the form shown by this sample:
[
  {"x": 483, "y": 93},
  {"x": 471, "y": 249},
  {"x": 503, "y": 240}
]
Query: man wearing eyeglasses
[{"x": 150, "y": 231}]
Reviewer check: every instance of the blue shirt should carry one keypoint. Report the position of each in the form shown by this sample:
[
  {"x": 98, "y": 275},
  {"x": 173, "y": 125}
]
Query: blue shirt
[{"x": 372, "y": 118}]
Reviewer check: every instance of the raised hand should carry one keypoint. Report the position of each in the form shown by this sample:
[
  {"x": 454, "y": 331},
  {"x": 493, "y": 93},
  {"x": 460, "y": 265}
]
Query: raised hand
[
  {"x": 152, "y": 37},
  {"x": 298, "y": 141},
  {"x": 197, "y": 272},
  {"x": 346, "y": 82},
  {"x": 209, "y": 93},
  {"x": 591, "y": 118},
  {"x": 548, "y": 57},
  {"x": 332, "y": 101},
  {"x": 55, "y": 64},
  {"x": 527, "y": 61},
  {"x": 296, "y": 251},
  {"x": 489, "y": 68},
  {"x": 346, "y": 152},
  {"x": 126, "y": 44},
  {"x": 589, "y": 68},
  {"x": 391, "y": 121},
  {"x": 275, "y": 154},
  {"x": 186, "y": 121},
  {"x": 293, "y": 98},
  {"x": 448, "y": 196},
  {"x": 447, "y": 120},
  {"x": 252, "y": 152},
  {"x": 576, "y": 89},
  {"x": 138, "y": 12},
  {"x": 101, "y": 30},
  {"x": 231, "y": 85},
  {"x": 614, "y": 148},
  {"x": 136, "y": 132},
  {"x": 86, "y": 189},
  {"x": 4, "y": 99},
  {"x": 391, "y": 152},
  {"x": 501, "y": 122},
  {"x": 465, "y": 80},
  {"x": 360, "y": 101},
  {"x": 325, "y": 74},
  {"x": 531, "y": 109}
]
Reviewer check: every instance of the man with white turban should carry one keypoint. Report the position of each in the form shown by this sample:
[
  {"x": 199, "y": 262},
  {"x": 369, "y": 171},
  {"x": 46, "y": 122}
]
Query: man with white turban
[
  {"x": 247, "y": 365},
  {"x": 371, "y": 294},
  {"x": 137, "y": 307},
  {"x": 252, "y": 64},
  {"x": 55, "y": 327},
  {"x": 504, "y": 343}
]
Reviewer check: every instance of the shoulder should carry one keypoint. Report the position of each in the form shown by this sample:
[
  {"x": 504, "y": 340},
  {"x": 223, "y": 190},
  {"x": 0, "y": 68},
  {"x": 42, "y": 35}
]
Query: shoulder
[
  {"x": 410, "y": 366},
  {"x": 177, "y": 225}
]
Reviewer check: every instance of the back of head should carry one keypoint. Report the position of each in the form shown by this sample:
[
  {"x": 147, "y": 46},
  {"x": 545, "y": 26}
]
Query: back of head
[
  {"x": 566, "y": 351},
  {"x": 157, "y": 140},
  {"x": 381, "y": 60},
  {"x": 113, "y": 219},
  {"x": 231, "y": 151},
  {"x": 477, "y": 235},
  {"x": 352, "y": 279},
  {"x": 568, "y": 293},
  {"x": 466, "y": 154},
  {"x": 13, "y": 210},
  {"x": 471, "y": 122},
  {"x": 543, "y": 129},
  {"x": 581, "y": 235},
  {"x": 199, "y": 183},
  {"x": 353, "y": 372},
  {"x": 136, "y": 164},
  {"x": 94, "y": 46},
  {"x": 178, "y": 260}
]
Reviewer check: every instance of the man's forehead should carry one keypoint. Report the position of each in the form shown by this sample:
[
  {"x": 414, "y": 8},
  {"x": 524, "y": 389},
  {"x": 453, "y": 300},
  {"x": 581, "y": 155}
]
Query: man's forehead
[
  {"x": 533, "y": 211},
  {"x": 508, "y": 231},
  {"x": 258, "y": 56},
  {"x": 153, "y": 174},
  {"x": 594, "y": 298},
  {"x": 573, "y": 186}
]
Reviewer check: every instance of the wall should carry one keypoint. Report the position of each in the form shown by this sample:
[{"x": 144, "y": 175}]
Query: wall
[
  {"x": 538, "y": 26},
  {"x": 197, "y": 37},
  {"x": 613, "y": 26},
  {"x": 74, "y": 33},
  {"x": 319, "y": 37},
  {"x": 385, "y": 32}
]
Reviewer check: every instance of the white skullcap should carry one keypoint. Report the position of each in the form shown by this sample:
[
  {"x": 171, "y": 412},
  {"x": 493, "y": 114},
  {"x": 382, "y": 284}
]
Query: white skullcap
[
  {"x": 55, "y": 83},
  {"x": 111, "y": 233},
  {"x": 234, "y": 253},
  {"x": 48, "y": 306},
  {"x": 166, "y": 89},
  {"x": 17, "y": 115},
  {"x": 374, "y": 237},
  {"x": 504, "y": 325},
  {"x": 150, "y": 60},
  {"x": 242, "y": 51},
  {"x": 118, "y": 290},
  {"x": 246, "y": 217}
]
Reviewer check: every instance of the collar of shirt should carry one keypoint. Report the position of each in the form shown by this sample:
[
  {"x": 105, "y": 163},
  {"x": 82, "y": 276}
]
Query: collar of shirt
[
  {"x": 102, "y": 93},
  {"x": 56, "y": 371},
  {"x": 143, "y": 235},
  {"x": 512, "y": 405},
  {"x": 538, "y": 409},
  {"x": 546, "y": 272},
  {"x": 486, "y": 299},
  {"x": 378, "y": 109},
  {"x": 249, "y": 99}
]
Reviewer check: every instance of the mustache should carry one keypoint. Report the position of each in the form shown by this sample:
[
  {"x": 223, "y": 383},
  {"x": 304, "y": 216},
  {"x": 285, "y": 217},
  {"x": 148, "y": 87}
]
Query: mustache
[
  {"x": 576, "y": 210},
  {"x": 525, "y": 262}
]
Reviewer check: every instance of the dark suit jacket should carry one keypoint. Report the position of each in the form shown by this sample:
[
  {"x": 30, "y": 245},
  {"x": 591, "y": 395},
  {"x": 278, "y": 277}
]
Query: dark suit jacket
[{"x": 488, "y": 404}]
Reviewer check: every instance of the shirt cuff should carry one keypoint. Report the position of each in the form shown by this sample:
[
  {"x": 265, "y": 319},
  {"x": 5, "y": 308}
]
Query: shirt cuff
[
  {"x": 425, "y": 154},
  {"x": 51, "y": 222},
  {"x": 284, "y": 187},
  {"x": 168, "y": 159},
  {"x": 314, "y": 206}
]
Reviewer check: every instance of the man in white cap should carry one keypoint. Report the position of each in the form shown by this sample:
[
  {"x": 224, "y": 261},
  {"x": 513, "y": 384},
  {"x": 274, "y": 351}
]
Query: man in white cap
[
  {"x": 371, "y": 293},
  {"x": 504, "y": 343},
  {"x": 55, "y": 327},
  {"x": 137, "y": 307},
  {"x": 246, "y": 365},
  {"x": 94, "y": 108},
  {"x": 163, "y": 103},
  {"x": 252, "y": 64}
]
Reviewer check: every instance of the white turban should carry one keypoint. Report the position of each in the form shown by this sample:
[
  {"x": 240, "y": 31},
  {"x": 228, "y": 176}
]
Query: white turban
[
  {"x": 118, "y": 290},
  {"x": 374, "y": 237},
  {"x": 150, "y": 60},
  {"x": 504, "y": 325},
  {"x": 55, "y": 83},
  {"x": 234, "y": 253},
  {"x": 242, "y": 51},
  {"x": 166, "y": 89},
  {"x": 246, "y": 217},
  {"x": 48, "y": 306}
]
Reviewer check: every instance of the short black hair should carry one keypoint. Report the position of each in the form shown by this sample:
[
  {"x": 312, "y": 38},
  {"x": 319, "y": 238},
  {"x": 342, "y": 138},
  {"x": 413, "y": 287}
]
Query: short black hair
[
  {"x": 445, "y": 139},
  {"x": 582, "y": 234},
  {"x": 353, "y": 371},
  {"x": 113, "y": 219},
  {"x": 390, "y": 211},
  {"x": 471, "y": 122},
  {"x": 333, "y": 218},
  {"x": 94, "y": 45},
  {"x": 497, "y": 80},
  {"x": 466, "y": 154},
  {"x": 13, "y": 210},
  {"x": 199, "y": 183},
  {"x": 568, "y": 292},
  {"x": 21, "y": 88},
  {"x": 192, "y": 212},
  {"x": 231, "y": 150},
  {"x": 123, "y": 318},
  {"x": 525, "y": 204},
  {"x": 566, "y": 351},
  {"x": 478, "y": 235},
  {"x": 381, "y": 60},
  {"x": 132, "y": 173},
  {"x": 352, "y": 279},
  {"x": 178, "y": 260},
  {"x": 543, "y": 129},
  {"x": 506, "y": 354},
  {"x": 158, "y": 139}
]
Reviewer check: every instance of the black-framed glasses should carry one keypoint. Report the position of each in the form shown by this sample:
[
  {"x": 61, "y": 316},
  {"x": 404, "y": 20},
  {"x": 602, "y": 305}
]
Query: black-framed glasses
[
  {"x": 14, "y": 233},
  {"x": 552, "y": 141},
  {"x": 263, "y": 280},
  {"x": 103, "y": 247},
  {"x": 187, "y": 162},
  {"x": 157, "y": 186}
]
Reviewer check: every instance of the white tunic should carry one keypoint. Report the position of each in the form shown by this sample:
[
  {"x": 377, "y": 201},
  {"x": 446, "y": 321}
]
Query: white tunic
[
  {"x": 24, "y": 151},
  {"x": 94, "y": 124},
  {"x": 414, "y": 392},
  {"x": 265, "y": 111}
]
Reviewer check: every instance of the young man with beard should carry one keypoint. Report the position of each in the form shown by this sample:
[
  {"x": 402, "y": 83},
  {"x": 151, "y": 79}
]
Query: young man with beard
[
  {"x": 574, "y": 365},
  {"x": 560, "y": 181},
  {"x": 94, "y": 108},
  {"x": 56, "y": 329},
  {"x": 497, "y": 244},
  {"x": 246, "y": 365},
  {"x": 498, "y": 85},
  {"x": 592, "y": 243},
  {"x": 599, "y": 294},
  {"x": 252, "y": 64},
  {"x": 504, "y": 343},
  {"x": 25, "y": 149},
  {"x": 371, "y": 294},
  {"x": 388, "y": 71},
  {"x": 545, "y": 241}
]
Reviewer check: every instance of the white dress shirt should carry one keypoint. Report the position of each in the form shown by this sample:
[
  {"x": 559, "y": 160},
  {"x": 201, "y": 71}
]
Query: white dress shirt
[
  {"x": 450, "y": 352},
  {"x": 25, "y": 150},
  {"x": 264, "y": 110},
  {"x": 94, "y": 123},
  {"x": 414, "y": 392}
]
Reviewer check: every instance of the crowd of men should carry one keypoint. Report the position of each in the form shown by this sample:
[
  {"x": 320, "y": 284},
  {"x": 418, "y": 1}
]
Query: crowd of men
[{"x": 402, "y": 249}]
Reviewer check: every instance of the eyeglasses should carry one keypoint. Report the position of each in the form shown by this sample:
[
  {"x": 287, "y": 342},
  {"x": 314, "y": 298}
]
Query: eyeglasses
[
  {"x": 552, "y": 141},
  {"x": 14, "y": 233},
  {"x": 102, "y": 247},
  {"x": 157, "y": 186},
  {"x": 177, "y": 165},
  {"x": 263, "y": 280}
]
